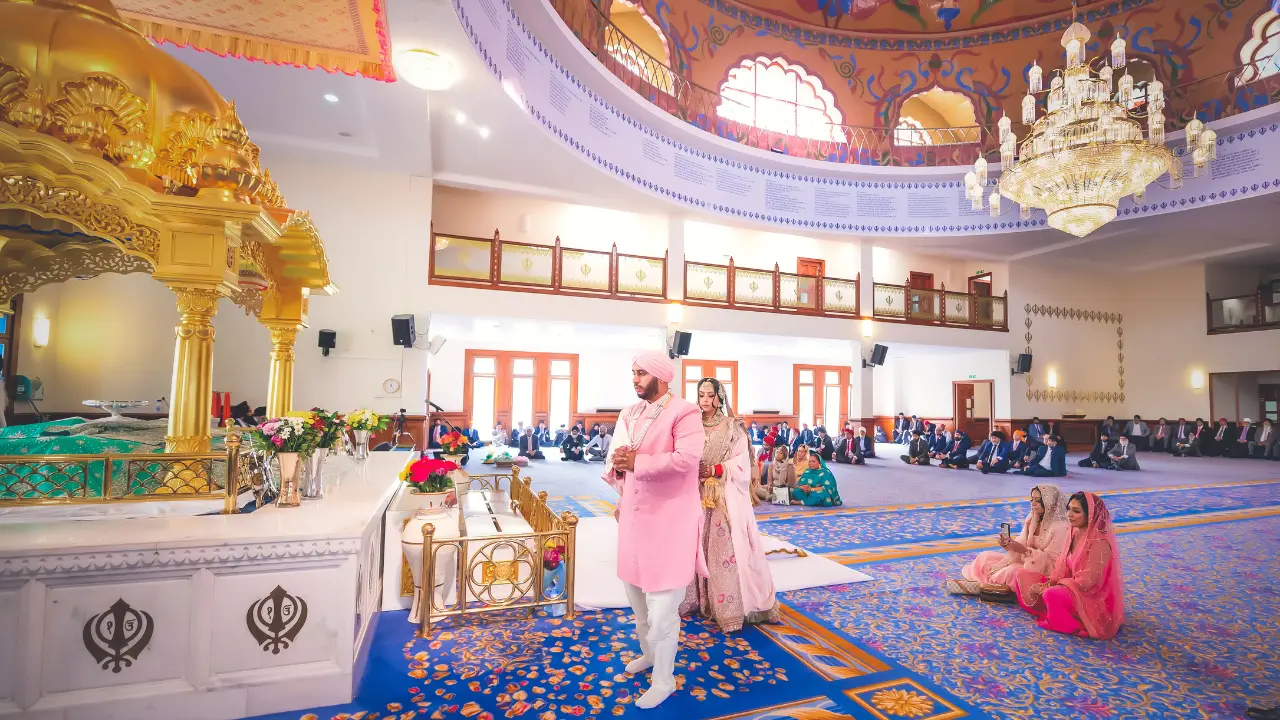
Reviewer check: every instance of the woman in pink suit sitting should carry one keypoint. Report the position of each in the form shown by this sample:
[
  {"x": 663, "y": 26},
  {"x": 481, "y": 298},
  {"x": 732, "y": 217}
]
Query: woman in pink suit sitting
[
  {"x": 1036, "y": 548},
  {"x": 1084, "y": 595}
]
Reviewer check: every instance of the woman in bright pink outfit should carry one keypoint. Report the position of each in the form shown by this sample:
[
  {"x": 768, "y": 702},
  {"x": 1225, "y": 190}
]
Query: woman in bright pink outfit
[
  {"x": 1084, "y": 595},
  {"x": 1036, "y": 548}
]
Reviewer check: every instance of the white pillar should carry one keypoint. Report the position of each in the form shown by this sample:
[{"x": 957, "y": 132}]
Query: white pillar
[
  {"x": 863, "y": 388},
  {"x": 675, "y": 258}
]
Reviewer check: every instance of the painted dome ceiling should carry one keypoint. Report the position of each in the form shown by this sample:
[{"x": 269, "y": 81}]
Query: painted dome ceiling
[{"x": 910, "y": 16}]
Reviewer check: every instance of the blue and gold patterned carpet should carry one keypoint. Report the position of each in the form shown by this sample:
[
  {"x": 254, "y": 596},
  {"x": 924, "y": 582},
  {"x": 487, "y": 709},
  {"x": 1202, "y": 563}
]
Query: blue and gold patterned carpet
[{"x": 1202, "y": 575}]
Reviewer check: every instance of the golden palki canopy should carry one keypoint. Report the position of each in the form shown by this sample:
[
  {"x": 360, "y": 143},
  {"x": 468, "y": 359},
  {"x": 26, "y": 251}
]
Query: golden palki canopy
[{"x": 116, "y": 157}]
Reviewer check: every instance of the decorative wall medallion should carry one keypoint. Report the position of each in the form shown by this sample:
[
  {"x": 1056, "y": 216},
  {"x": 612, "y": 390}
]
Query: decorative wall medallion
[
  {"x": 275, "y": 620},
  {"x": 116, "y": 637}
]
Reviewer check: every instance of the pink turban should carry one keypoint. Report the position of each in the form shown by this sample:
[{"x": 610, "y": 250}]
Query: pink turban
[{"x": 657, "y": 364}]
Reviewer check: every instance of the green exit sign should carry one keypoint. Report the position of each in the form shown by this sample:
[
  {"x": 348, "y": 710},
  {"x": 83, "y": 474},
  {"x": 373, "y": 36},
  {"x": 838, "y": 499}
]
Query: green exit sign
[{"x": 973, "y": 377}]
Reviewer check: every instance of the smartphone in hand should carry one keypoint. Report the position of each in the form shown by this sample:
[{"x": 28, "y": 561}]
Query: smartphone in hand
[{"x": 1005, "y": 535}]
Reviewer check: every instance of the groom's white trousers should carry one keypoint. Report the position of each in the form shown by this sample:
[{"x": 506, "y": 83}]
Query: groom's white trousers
[{"x": 658, "y": 627}]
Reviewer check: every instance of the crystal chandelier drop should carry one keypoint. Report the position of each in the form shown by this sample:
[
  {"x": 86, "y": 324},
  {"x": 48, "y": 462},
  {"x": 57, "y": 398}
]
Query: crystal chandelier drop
[{"x": 1088, "y": 151}]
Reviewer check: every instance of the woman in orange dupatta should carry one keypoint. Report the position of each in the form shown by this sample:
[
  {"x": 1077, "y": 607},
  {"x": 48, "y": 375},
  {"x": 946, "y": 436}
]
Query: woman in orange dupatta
[{"x": 1084, "y": 595}]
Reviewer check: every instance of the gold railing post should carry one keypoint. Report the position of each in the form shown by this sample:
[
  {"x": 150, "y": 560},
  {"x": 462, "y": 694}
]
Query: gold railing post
[
  {"x": 106, "y": 476},
  {"x": 570, "y": 561},
  {"x": 427, "y": 597},
  {"x": 189, "y": 417},
  {"x": 233, "y": 474}
]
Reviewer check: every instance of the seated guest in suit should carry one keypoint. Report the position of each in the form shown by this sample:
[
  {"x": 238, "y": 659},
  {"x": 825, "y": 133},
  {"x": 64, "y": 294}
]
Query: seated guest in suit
[
  {"x": 1138, "y": 431},
  {"x": 517, "y": 432},
  {"x": 1050, "y": 460},
  {"x": 880, "y": 436},
  {"x": 543, "y": 433},
  {"x": 1109, "y": 427},
  {"x": 1100, "y": 456},
  {"x": 942, "y": 432},
  {"x": 1189, "y": 444},
  {"x": 1181, "y": 434},
  {"x": 940, "y": 445},
  {"x": 1263, "y": 444},
  {"x": 917, "y": 450},
  {"x": 1161, "y": 437},
  {"x": 1240, "y": 445},
  {"x": 1218, "y": 440},
  {"x": 990, "y": 457},
  {"x": 529, "y": 445},
  {"x": 901, "y": 429},
  {"x": 499, "y": 436},
  {"x": 598, "y": 447},
  {"x": 433, "y": 435},
  {"x": 1124, "y": 456},
  {"x": 1035, "y": 433},
  {"x": 571, "y": 448},
  {"x": 1018, "y": 451},
  {"x": 473, "y": 436},
  {"x": 755, "y": 435},
  {"x": 560, "y": 435},
  {"x": 931, "y": 437},
  {"x": 824, "y": 447},
  {"x": 863, "y": 448},
  {"x": 915, "y": 424},
  {"x": 958, "y": 455},
  {"x": 844, "y": 446}
]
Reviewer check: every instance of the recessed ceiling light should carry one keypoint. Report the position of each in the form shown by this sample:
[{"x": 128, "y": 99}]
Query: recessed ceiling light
[
  {"x": 331, "y": 97},
  {"x": 425, "y": 69},
  {"x": 460, "y": 117},
  {"x": 484, "y": 131},
  {"x": 344, "y": 133}
]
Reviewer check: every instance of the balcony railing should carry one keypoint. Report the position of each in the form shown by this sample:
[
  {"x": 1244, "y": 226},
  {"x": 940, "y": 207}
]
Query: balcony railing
[
  {"x": 940, "y": 307},
  {"x": 496, "y": 263},
  {"x": 1243, "y": 313},
  {"x": 768, "y": 290},
  {"x": 1213, "y": 97}
]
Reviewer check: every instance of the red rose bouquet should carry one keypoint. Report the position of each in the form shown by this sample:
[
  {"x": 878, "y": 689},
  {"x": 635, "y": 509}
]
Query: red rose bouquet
[{"x": 429, "y": 475}]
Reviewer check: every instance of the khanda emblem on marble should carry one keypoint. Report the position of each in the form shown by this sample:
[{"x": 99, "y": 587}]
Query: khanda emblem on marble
[
  {"x": 116, "y": 637},
  {"x": 275, "y": 620}
]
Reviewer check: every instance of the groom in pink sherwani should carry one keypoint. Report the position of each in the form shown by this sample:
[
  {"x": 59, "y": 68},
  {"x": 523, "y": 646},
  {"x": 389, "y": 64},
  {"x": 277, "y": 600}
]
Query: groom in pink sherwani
[{"x": 654, "y": 465}]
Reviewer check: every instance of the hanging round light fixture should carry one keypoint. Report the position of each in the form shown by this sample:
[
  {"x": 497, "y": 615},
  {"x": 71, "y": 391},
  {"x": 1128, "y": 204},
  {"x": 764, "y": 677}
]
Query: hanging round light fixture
[{"x": 425, "y": 69}]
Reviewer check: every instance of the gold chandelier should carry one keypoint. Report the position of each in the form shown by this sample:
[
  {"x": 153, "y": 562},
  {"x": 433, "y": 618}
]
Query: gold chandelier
[{"x": 1088, "y": 150}]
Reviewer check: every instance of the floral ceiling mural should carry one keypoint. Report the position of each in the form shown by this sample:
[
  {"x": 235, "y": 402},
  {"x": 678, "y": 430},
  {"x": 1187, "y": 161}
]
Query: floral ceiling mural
[{"x": 874, "y": 54}]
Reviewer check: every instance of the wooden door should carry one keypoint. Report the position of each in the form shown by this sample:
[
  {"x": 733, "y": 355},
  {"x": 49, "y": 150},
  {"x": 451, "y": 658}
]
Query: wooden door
[
  {"x": 811, "y": 267},
  {"x": 980, "y": 289},
  {"x": 923, "y": 304},
  {"x": 964, "y": 419},
  {"x": 821, "y": 397},
  {"x": 921, "y": 281}
]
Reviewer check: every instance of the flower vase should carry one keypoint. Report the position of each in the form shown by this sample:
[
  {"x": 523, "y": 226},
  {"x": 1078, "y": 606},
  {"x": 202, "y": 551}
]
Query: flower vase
[
  {"x": 432, "y": 503},
  {"x": 362, "y": 444},
  {"x": 313, "y": 474},
  {"x": 461, "y": 478},
  {"x": 290, "y": 479}
]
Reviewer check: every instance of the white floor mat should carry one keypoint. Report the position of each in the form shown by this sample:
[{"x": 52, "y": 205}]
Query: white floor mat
[{"x": 597, "y": 585}]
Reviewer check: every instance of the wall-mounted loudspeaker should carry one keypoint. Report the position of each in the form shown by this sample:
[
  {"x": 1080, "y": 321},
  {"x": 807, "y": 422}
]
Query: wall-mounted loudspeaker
[
  {"x": 878, "y": 354},
  {"x": 328, "y": 340},
  {"x": 1024, "y": 364},
  {"x": 402, "y": 332},
  {"x": 680, "y": 344}
]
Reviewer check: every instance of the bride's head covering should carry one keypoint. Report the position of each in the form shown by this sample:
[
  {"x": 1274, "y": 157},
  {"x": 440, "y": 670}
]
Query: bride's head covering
[
  {"x": 1055, "y": 505},
  {"x": 722, "y": 398},
  {"x": 1101, "y": 606}
]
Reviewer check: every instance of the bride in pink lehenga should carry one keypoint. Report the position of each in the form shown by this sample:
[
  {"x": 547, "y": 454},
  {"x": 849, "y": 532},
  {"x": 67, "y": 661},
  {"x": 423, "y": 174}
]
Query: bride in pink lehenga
[
  {"x": 738, "y": 587},
  {"x": 1084, "y": 595},
  {"x": 1036, "y": 547}
]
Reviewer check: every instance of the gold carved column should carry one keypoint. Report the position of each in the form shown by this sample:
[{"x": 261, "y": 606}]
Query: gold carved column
[
  {"x": 280, "y": 381},
  {"x": 189, "y": 415}
]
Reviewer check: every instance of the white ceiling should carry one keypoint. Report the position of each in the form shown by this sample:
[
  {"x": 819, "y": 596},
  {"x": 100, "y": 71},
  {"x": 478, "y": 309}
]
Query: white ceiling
[{"x": 397, "y": 128}]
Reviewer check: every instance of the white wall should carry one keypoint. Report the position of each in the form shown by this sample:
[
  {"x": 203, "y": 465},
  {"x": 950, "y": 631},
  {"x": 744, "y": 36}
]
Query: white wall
[
  {"x": 759, "y": 250},
  {"x": 921, "y": 384},
  {"x": 893, "y": 266}
]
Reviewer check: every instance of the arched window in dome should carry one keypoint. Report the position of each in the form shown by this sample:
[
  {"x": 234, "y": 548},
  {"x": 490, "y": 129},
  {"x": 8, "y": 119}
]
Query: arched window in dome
[
  {"x": 773, "y": 94},
  {"x": 635, "y": 41},
  {"x": 910, "y": 132},
  {"x": 1260, "y": 54},
  {"x": 936, "y": 117}
]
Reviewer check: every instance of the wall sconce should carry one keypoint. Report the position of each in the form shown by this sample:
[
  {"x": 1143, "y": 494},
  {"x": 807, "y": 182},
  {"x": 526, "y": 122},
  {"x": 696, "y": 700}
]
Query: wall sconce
[
  {"x": 40, "y": 332},
  {"x": 1197, "y": 379},
  {"x": 868, "y": 328},
  {"x": 675, "y": 313},
  {"x": 1052, "y": 381}
]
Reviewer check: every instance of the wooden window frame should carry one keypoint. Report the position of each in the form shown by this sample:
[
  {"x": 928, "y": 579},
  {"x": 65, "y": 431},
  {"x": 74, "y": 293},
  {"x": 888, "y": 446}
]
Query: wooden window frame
[
  {"x": 502, "y": 386},
  {"x": 702, "y": 364},
  {"x": 820, "y": 398}
]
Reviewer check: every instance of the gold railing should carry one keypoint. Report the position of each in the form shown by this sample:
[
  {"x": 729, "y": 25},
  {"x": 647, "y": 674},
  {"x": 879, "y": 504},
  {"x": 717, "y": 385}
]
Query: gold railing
[
  {"x": 939, "y": 307},
  {"x": 769, "y": 290},
  {"x": 525, "y": 267},
  {"x": 1215, "y": 96},
  {"x": 27, "y": 480},
  {"x": 504, "y": 572}
]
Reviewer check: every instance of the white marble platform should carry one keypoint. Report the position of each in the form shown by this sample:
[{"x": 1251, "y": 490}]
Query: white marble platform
[{"x": 205, "y": 633}]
